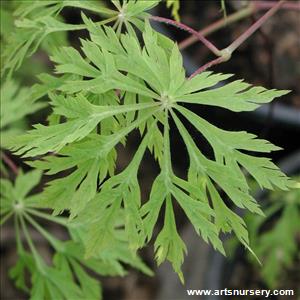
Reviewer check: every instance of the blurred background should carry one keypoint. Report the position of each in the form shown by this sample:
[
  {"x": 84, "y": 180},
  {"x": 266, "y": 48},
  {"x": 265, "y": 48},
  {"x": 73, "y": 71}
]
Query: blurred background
[{"x": 271, "y": 58}]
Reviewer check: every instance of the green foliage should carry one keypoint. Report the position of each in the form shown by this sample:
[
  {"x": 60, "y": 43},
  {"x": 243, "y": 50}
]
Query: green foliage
[
  {"x": 37, "y": 22},
  {"x": 117, "y": 84},
  {"x": 68, "y": 264},
  {"x": 16, "y": 103},
  {"x": 276, "y": 245},
  {"x": 175, "y": 6},
  {"x": 154, "y": 74}
]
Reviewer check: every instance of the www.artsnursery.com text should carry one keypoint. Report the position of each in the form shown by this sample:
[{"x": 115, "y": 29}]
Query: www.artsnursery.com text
[{"x": 240, "y": 292}]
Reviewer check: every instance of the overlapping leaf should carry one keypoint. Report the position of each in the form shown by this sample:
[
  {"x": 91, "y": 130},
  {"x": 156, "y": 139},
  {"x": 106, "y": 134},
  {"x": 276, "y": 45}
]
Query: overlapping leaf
[{"x": 69, "y": 264}]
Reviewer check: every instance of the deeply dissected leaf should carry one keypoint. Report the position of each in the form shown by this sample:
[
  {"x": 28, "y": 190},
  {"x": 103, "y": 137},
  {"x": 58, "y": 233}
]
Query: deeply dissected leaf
[
  {"x": 117, "y": 84},
  {"x": 84, "y": 117}
]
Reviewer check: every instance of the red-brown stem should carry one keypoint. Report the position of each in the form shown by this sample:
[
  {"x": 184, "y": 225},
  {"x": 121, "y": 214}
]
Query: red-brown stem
[
  {"x": 215, "y": 61},
  {"x": 217, "y": 25},
  {"x": 10, "y": 163},
  {"x": 184, "y": 27},
  {"x": 269, "y": 4},
  {"x": 243, "y": 13},
  {"x": 233, "y": 46}
]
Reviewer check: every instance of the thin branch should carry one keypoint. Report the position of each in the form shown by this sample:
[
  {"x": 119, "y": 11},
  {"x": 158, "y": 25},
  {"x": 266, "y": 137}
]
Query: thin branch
[
  {"x": 217, "y": 25},
  {"x": 215, "y": 61},
  {"x": 241, "y": 14},
  {"x": 233, "y": 46},
  {"x": 10, "y": 163},
  {"x": 184, "y": 27},
  {"x": 292, "y": 5},
  {"x": 227, "y": 52}
]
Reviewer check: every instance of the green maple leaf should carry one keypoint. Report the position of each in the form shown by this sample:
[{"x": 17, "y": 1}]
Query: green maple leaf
[{"x": 151, "y": 83}]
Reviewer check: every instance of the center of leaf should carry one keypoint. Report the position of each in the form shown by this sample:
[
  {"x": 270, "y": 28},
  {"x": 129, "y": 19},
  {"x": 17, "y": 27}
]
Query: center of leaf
[
  {"x": 166, "y": 101},
  {"x": 121, "y": 15},
  {"x": 18, "y": 207}
]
